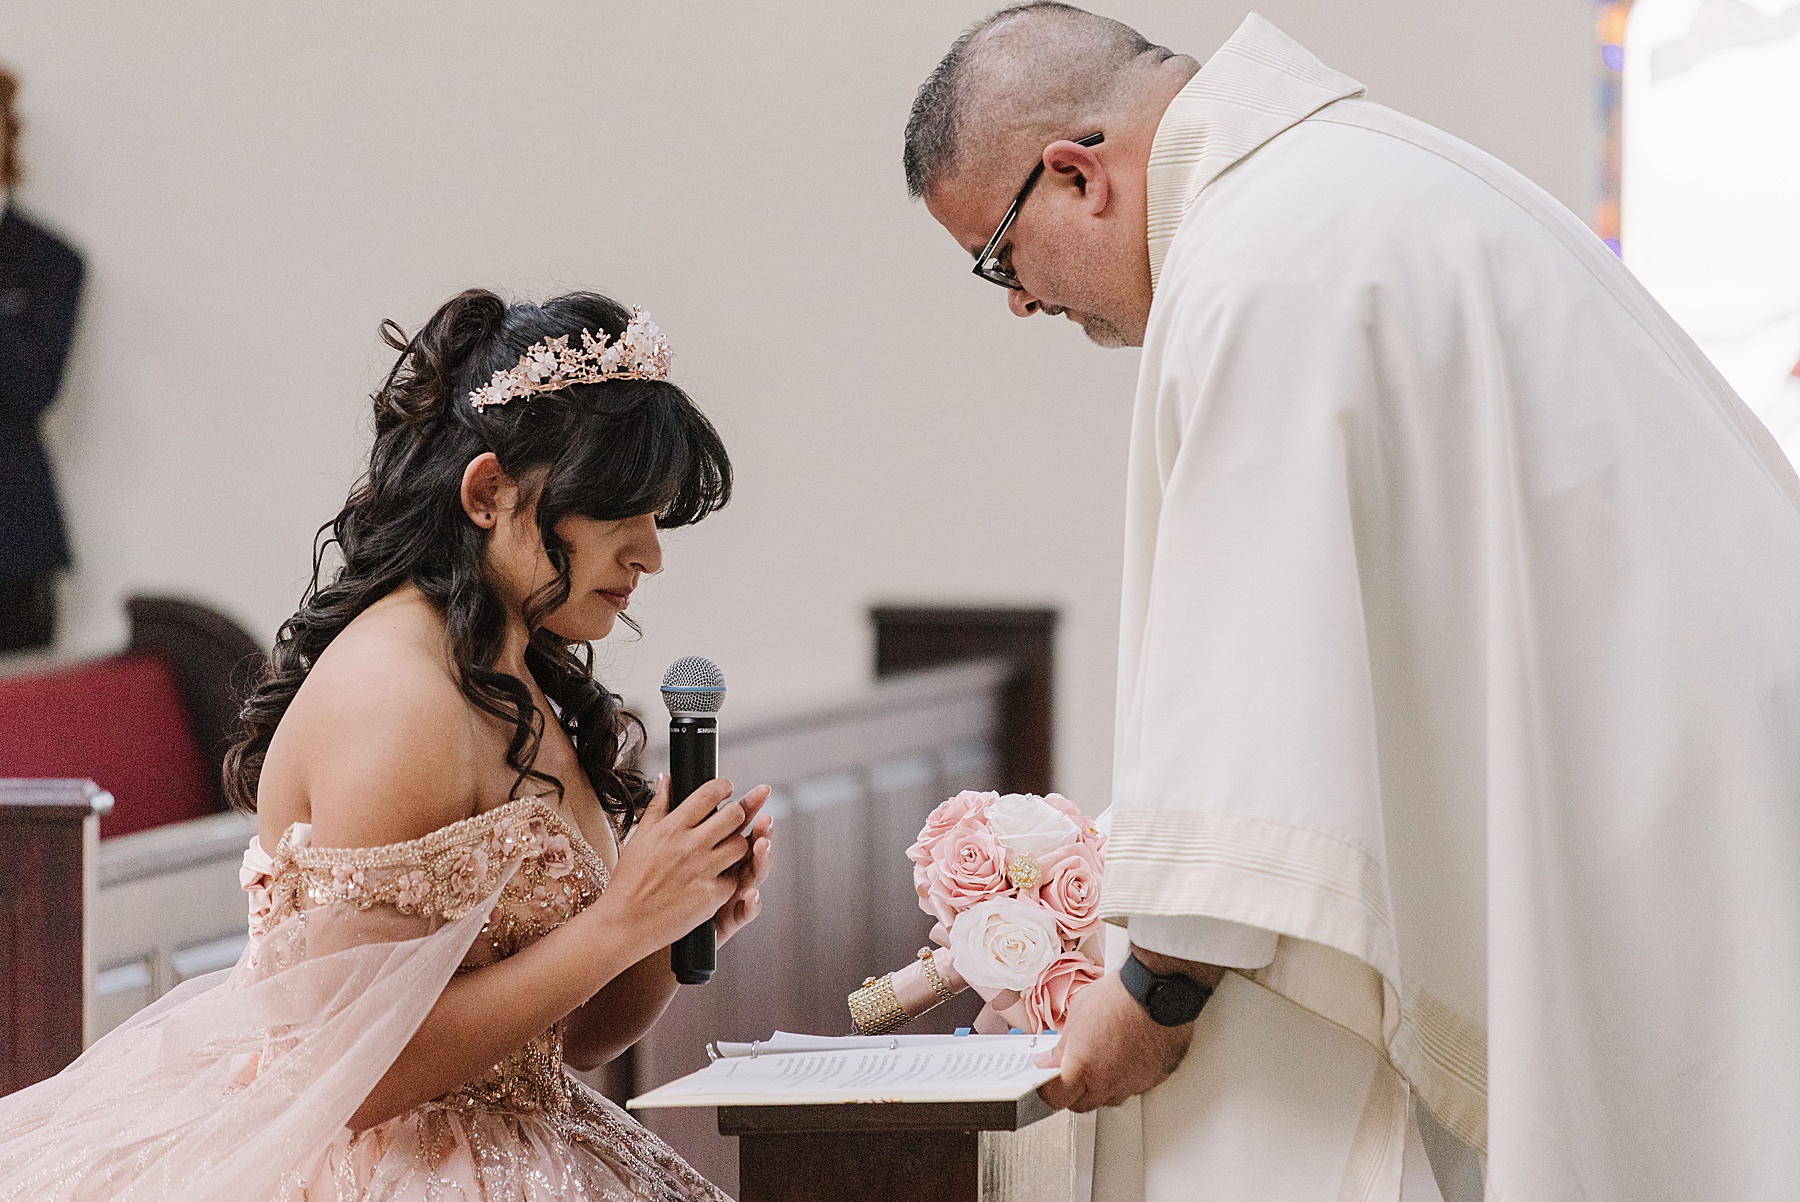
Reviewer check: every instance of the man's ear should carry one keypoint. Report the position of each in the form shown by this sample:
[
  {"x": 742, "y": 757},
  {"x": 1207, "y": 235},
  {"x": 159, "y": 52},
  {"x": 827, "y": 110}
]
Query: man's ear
[
  {"x": 1078, "y": 166},
  {"x": 487, "y": 491}
]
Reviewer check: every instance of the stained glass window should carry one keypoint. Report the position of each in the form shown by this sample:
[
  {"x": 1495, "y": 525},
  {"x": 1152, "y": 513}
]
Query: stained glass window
[{"x": 1610, "y": 88}]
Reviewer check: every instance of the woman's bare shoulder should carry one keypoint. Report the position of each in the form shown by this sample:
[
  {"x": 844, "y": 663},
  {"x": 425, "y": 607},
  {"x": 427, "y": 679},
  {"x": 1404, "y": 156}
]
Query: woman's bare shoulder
[{"x": 378, "y": 745}]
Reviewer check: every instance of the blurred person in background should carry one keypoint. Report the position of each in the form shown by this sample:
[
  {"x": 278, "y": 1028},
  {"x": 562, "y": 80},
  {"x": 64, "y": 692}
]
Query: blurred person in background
[{"x": 40, "y": 285}]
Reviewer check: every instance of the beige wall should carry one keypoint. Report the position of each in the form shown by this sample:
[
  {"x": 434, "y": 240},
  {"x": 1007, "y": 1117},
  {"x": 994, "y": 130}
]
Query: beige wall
[{"x": 256, "y": 185}]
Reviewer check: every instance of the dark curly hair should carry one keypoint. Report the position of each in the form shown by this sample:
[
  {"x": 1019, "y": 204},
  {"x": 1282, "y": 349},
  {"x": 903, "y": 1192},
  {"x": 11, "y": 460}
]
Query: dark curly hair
[{"x": 607, "y": 451}]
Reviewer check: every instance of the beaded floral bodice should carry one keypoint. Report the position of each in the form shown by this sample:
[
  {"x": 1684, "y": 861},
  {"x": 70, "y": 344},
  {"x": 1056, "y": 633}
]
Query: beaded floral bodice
[{"x": 545, "y": 871}]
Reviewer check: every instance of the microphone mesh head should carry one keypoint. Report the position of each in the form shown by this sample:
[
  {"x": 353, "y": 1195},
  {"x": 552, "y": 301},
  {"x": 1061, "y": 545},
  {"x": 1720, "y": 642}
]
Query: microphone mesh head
[{"x": 693, "y": 685}]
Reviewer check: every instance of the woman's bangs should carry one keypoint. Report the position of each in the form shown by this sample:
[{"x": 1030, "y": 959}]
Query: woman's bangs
[{"x": 664, "y": 459}]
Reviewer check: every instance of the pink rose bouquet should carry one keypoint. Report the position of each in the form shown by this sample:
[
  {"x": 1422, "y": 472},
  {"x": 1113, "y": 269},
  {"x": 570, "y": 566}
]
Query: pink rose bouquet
[{"x": 1014, "y": 884}]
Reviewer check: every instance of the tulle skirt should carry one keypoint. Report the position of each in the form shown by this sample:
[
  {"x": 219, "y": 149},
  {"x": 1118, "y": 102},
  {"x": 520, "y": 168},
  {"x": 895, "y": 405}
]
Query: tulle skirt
[
  {"x": 444, "y": 1151},
  {"x": 238, "y": 1086}
]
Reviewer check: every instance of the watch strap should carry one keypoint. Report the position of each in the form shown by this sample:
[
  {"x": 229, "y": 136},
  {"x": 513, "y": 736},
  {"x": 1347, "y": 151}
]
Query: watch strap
[{"x": 1150, "y": 990}]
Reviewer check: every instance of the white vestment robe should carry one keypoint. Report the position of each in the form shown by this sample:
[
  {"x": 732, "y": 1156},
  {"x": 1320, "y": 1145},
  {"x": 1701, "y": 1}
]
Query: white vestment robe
[{"x": 1460, "y": 648}]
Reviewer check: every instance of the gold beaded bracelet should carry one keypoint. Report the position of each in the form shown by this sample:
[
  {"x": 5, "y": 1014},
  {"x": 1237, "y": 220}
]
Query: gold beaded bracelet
[
  {"x": 875, "y": 1009},
  {"x": 931, "y": 974}
]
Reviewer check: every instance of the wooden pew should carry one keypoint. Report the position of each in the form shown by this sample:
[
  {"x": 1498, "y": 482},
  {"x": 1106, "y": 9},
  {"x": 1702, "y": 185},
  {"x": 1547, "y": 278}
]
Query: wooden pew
[{"x": 48, "y": 833}]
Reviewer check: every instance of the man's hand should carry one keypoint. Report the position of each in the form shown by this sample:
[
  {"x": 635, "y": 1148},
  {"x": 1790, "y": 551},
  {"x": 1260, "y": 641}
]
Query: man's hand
[{"x": 1111, "y": 1049}]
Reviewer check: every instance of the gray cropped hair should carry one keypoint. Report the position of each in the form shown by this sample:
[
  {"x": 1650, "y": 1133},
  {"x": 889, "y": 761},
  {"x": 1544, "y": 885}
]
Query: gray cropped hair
[{"x": 1052, "y": 66}]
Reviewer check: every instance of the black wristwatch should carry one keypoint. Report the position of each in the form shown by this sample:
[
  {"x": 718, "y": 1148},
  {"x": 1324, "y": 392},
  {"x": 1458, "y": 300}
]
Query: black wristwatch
[{"x": 1170, "y": 999}]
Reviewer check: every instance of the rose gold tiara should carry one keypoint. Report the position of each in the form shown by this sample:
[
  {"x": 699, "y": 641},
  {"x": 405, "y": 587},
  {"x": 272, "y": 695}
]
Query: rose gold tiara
[{"x": 641, "y": 353}]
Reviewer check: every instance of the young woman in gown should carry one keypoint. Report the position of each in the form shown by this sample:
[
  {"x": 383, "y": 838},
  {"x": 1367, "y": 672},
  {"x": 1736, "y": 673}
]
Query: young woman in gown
[{"x": 448, "y": 911}]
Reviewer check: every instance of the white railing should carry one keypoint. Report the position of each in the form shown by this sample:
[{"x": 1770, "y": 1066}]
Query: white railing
[{"x": 168, "y": 908}]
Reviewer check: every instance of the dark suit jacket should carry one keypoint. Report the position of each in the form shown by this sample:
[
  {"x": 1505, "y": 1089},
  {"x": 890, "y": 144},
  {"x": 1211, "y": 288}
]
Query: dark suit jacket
[{"x": 40, "y": 283}]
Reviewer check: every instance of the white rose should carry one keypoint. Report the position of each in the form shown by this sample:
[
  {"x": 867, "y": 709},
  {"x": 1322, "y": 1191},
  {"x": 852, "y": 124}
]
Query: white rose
[
  {"x": 1030, "y": 826},
  {"x": 1004, "y": 943}
]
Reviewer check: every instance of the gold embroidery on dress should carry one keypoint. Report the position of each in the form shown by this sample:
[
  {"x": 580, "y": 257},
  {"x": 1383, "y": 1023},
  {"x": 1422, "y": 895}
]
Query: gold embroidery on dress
[
  {"x": 502, "y": 1118},
  {"x": 441, "y": 876}
]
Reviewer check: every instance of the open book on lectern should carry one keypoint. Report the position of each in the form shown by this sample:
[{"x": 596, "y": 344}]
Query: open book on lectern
[{"x": 822, "y": 1070}]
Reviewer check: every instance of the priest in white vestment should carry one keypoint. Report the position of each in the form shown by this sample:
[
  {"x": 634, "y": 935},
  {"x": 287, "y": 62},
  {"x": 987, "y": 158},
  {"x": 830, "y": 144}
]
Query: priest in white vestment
[{"x": 1459, "y": 686}]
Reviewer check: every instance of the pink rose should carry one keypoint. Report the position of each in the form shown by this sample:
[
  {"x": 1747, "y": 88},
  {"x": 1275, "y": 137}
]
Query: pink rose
[
  {"x": 1090, "y": 835},
  {"x": 508, "y": 831},
  {"x": 1071, "y": 889},
  {"x": 943, "y": 819},
  {"x": 346, "y": 879},
  {"x": 1088, "y": 832},
  {"x": 1030, "y": 826},
  {"x": 968, "y": 865},
  {"x": 261, "y": 906},
  {"x": 470, "y": 874},
  {"x": 415, "y": 887},
  {"x": 254, "y": 876},
  {"x": 1047, "y": 1002},
  {"x": 558, "y": 856},
  {"x": 1003, "y": 943}
]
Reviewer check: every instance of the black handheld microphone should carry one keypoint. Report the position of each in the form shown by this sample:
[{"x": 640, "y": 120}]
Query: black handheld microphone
[{"x": 694, "y": 690}]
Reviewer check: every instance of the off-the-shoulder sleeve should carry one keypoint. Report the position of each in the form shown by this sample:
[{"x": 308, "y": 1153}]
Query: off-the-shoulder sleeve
[{"x": 438, "y": 877}]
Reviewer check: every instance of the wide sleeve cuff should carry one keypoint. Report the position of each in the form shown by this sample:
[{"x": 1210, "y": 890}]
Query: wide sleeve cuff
[{"x": 1204, "y": 940}]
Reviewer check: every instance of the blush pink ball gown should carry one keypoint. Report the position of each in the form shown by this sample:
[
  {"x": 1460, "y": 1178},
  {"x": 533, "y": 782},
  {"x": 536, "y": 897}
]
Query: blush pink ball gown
[{"x": 239, "y": 1085}]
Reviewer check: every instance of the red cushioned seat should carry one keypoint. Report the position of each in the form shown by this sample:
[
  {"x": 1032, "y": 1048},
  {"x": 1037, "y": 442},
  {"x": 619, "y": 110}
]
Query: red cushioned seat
[{"x": 117, "y": 721}]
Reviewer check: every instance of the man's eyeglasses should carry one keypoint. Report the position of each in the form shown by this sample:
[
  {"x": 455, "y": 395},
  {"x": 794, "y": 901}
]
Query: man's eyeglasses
[{"x": 988, "y": 263}]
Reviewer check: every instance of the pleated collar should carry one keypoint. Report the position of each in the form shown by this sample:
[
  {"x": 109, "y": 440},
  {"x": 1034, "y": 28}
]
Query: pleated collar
[{"x": 1258, "y": 84}]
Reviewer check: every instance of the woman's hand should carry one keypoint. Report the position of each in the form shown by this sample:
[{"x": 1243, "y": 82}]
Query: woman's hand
[
  {"x": 681, "y": 865},
  {"x": 746, "y": 900}
]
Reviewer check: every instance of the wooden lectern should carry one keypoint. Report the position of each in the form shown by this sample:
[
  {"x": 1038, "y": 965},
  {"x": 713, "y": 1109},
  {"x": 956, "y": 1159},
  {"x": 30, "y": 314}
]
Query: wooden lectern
[{"x": 941, "y": 1151}]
